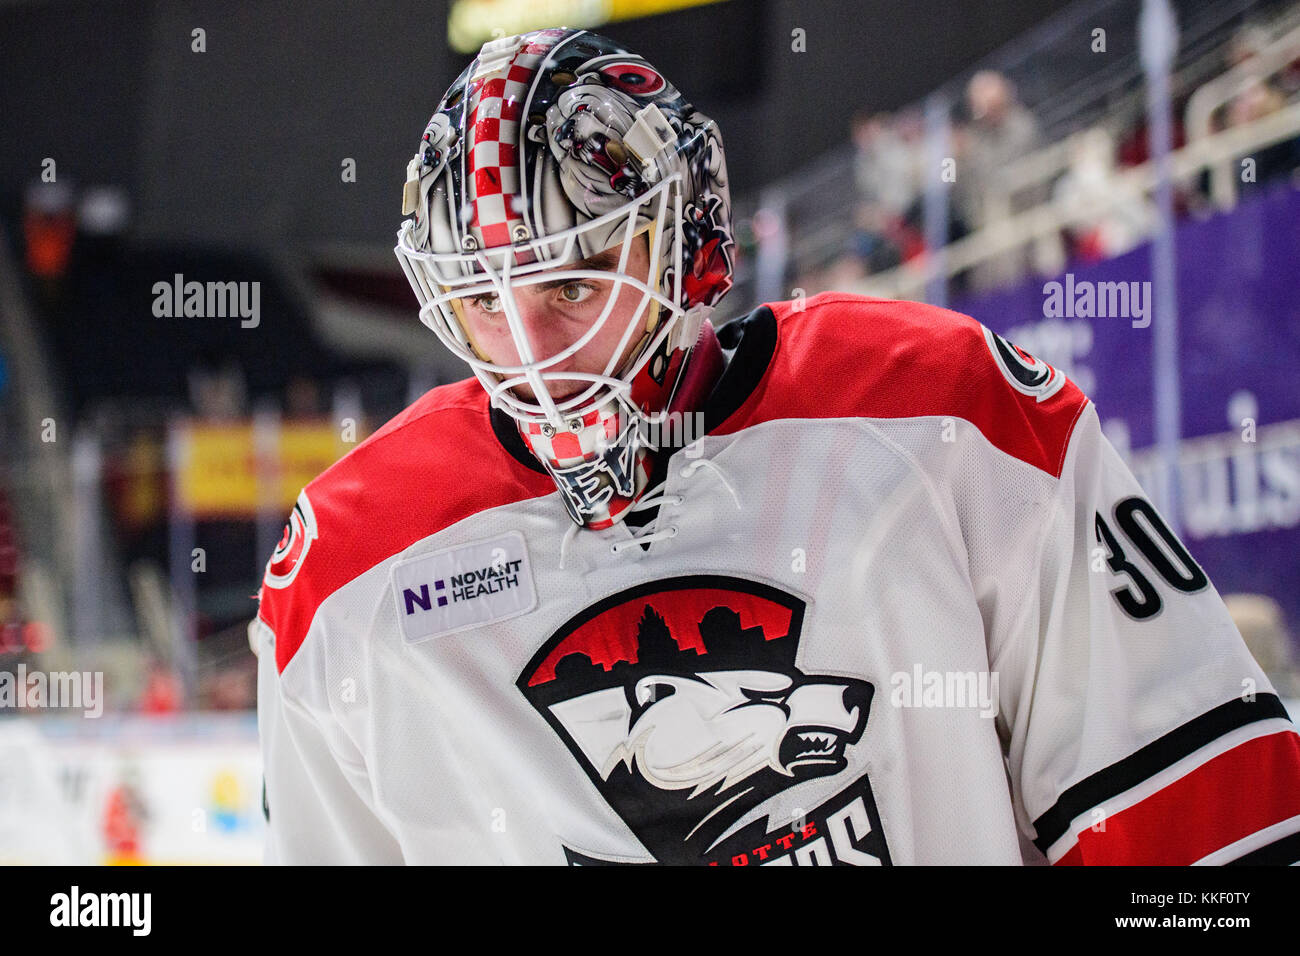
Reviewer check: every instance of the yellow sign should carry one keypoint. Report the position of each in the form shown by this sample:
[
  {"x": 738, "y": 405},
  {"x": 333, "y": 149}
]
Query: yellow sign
[
  {"x": 221, "y": 474},
  {"x": 471, "y": 23}
]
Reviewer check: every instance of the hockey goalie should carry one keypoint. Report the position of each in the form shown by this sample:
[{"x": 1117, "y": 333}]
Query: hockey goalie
[{"x": 843, "y": 581}]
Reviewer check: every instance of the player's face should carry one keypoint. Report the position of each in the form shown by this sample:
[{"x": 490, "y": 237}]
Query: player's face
[{"x": 556, "y": 313}]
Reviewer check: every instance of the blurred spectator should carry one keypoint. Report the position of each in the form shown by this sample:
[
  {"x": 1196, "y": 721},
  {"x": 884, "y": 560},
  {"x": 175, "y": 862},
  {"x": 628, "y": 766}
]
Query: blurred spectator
[
  {"x": 874, "y": 243},
  {"x": 100, "y": 255},
  {"x": 1255, "y": 101},
  {"x": 1105, "y": 224},
  {"x": 999, "y": 132},
  {"x": 887, "y": 172},
  {"x": 1264, "y": 90},
  {"x": 125, "y": 817},
  {"x": 885, "y": 168},
  {"x": 162, "y": 692}
]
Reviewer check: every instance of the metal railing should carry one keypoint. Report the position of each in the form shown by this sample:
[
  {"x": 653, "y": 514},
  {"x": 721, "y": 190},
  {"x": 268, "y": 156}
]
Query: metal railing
[
  {"x": 1209, "y": 98},
  {"x": 1048, "y": 219},
  {"x": 1110, "y": 96},
  {"x": 39, "y": 472}
]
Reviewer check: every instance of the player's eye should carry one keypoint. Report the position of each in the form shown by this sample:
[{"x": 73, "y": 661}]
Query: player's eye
[
  {"x": 488, "y": 302},
  {"x": 576, "y": 292}
]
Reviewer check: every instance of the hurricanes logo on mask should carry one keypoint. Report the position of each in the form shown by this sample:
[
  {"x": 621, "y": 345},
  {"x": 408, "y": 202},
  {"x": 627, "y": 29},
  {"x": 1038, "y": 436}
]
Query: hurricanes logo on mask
[{"x": 682, "y": 702}]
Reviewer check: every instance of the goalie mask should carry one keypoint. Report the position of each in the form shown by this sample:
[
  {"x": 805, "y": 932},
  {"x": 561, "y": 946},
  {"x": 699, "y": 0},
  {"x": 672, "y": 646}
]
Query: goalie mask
[{"x": 551, "y": 150}]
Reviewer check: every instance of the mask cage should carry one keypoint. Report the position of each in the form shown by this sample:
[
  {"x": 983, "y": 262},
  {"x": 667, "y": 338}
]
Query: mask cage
[{"x": 440, "y": 278}]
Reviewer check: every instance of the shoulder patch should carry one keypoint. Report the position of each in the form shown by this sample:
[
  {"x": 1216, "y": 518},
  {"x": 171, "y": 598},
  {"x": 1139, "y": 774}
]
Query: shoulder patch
[
  {"x": 1027, "y": 374},
  {"x": 462, "y": 587},
  {"x": 289, "y": 554}
]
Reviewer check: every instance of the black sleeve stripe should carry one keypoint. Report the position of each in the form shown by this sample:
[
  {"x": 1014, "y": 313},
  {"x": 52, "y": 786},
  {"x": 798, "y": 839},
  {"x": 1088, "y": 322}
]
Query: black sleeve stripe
[
  {"x": 1150, "y": 760},
  {"x": 1281, "y": 852}
]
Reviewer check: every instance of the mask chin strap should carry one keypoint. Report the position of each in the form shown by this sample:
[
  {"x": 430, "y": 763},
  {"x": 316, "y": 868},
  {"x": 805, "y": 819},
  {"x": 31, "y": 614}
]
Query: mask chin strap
[{"x": 588, "y": 487}]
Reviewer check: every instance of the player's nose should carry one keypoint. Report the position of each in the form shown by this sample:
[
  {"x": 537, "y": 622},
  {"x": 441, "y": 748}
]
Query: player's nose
[{"x": 547, "y": 332}]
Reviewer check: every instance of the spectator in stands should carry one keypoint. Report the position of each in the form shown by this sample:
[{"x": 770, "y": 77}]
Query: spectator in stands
[
  {"x": 162, "y": 691},
  {"x": 217, "y": 390},
  {"x": 1106, "y": 218},
  {"x": 885, "y": 169},
  {"x": 1000, "y": 130},
  {"x": 1257, "y": 100},
  {"x": 874, "y": 243},
  {"x": 887, "y": 173},
  {"x": 1264, "y": 91}
]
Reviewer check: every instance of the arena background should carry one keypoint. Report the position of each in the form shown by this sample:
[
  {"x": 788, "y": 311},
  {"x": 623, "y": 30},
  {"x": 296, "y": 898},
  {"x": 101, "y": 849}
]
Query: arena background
[{"x": 995, "y": 157}]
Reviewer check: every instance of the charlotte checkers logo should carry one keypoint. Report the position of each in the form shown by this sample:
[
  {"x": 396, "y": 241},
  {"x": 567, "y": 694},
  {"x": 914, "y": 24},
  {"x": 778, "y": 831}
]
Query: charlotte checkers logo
[
  {"x": 492, "y": 579},
  {"x": 682, "y": 701}
]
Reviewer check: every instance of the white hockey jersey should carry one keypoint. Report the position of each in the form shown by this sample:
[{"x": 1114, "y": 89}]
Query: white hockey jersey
[{"x": 902, "y": 604}]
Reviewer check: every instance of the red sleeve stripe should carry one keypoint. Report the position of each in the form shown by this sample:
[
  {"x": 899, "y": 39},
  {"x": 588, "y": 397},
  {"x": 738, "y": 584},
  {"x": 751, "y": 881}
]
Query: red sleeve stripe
[
  {"x": 1251, "y": 787},
  {"x": 1156, "y": 765}
]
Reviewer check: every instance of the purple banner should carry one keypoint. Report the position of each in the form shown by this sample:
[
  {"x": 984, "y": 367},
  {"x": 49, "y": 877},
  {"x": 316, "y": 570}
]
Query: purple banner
[{"x": 1238, "y": 291}]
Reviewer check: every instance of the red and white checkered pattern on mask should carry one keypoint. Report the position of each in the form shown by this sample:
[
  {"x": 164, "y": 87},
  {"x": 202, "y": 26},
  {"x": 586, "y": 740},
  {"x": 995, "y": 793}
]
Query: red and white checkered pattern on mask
[
  {"x": 492, "y": 176},
  {"x": 565, "y": 449}
]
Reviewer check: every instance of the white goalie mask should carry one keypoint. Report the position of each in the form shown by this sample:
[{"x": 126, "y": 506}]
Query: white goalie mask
[{"x": 552, "y": 150}]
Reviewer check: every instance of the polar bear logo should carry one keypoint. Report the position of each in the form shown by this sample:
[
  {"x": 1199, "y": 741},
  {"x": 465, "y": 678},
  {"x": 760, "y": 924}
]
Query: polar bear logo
[{"x": 683, "y": 740}]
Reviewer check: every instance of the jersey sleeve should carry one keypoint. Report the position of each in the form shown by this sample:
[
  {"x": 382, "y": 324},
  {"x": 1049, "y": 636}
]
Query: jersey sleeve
[
  {"x": 316, "y": 791},
  {"x": 1137, "y": 725}
]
